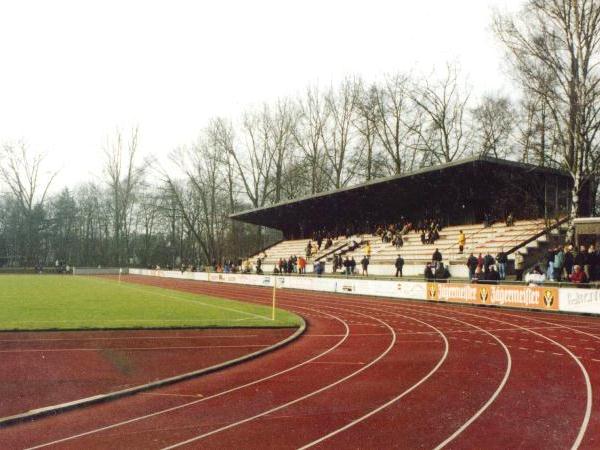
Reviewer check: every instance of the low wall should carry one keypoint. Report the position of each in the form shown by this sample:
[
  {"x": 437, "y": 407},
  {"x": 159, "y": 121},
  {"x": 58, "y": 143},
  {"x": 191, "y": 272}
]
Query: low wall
[
  {"x": 530, "y": 297},
  {"x": 100, "y": 270}
]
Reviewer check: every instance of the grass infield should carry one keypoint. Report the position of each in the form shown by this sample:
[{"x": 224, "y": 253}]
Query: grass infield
[{"x": 62, "y": 302}]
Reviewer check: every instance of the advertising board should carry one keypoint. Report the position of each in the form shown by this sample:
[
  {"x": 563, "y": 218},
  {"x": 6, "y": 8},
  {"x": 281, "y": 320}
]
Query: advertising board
[
  {"x": 501, "y": 295},
  {"x": 580, "y": 300}
]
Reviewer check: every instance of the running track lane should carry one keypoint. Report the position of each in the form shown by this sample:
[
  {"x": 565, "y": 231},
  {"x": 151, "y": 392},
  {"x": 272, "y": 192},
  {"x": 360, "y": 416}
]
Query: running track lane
[
  {"x": 369, "y": 392},
  {"x": 459, "y": 332},
  {"x": 40, "y": 369}
]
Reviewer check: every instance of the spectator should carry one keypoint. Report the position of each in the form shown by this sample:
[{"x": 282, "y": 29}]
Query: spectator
[
  {"x": 492, "y": 274},
  {"x": 581, "y": 258},
  {"x": 480, "y": 262},
  {"x": 301, "y": 265},
  {"x": 368, "y": 249},
  {"x": 258, "y": 266},
  {"x": 519, "y": 265},
  {"x": 510, "y": 220},
  {"x": 559, "y": 262},
  {"x": 308, "y": 249},
  {"x": 569, "y": 261},
  {"x": 472, "y": 265},
  {"x": 488, "y": 260},
  {"x": 550, "y": 264},
  {"x": 441, "y": 272},
  {"x": 428, "y": 272},
  {"x": 347, "y": 265},
  {"x": 352, "y": 265},
  {"x": 578, "y": 275},
  {"x": 536, "y": 276},
  {"x": 365, "y": 265},
  {"x": 502, "y": 260},
  {"x": 462, "y": 240},
  {"x": 437, "y": 256},
  {"x": 399, "y": 265},
  {"x": 593, "y": 260},
  {"x": 423, "y": 238}
]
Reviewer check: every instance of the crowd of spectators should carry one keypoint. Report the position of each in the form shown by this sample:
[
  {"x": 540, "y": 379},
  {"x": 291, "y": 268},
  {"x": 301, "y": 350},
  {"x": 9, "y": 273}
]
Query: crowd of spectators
[
  {"x": 488, "y": 267},
  {"x": 567, "y": 264}
]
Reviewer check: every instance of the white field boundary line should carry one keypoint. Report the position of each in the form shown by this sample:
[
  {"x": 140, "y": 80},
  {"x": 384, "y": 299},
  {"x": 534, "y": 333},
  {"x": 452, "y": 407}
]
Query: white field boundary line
[
  {"x": 380, "y": 408},
  {"x": 324, "y": 388},
  {"x": 187, "y": 300},
  {"x": 588, "y": 407},
  {"x": 127, "y": 338},
  {"x": 219, "y": 394},
  {"x": 197, "y": 347},
  {"x": 158, "y": 321},
  {"x": 53, "y": 409}
]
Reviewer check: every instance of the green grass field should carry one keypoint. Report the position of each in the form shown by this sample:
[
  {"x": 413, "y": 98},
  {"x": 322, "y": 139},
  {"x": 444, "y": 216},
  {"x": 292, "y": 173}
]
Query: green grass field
[{"x": 49, "y": 302}]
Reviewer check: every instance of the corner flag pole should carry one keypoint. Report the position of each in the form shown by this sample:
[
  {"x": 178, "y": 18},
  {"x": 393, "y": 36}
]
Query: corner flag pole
[
  {"x": 274, "y": 298},
  {"x": 120, "y": 272}
]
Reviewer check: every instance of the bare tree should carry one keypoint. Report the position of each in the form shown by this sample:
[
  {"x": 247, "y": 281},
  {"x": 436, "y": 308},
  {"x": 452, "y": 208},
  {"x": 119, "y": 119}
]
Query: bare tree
[
  {"x": 337, "y": 137},
  {"x": 493, "y": 121},
  {"x": 308, "y": 134},
  {"x": 124, "y": 175},
  {"x": 22, "y": 172},
  {"x": 28, "y": 184},
  {"x": 398, "y": 122},
  {"x": 280, "y": 124},
  {"x": 562, "y": 38},
  {"x": 445, "y": 136}
]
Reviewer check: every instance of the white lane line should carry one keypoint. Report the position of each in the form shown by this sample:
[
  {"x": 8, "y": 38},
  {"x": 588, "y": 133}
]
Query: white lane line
[
  {"x": 350, "y": 363},
  {"x": 232, "y": 425},
  {"x": 499, "y": 389},
  {"x": 297, "y": 400},
  {"x": 588, "y": 385},
  {"x": 172, "y": 395},
  {"x": 391, "y": 401},
  {"x": 540, "y": 351},
  {"x": 219, "y": 394},
  {"x": 44, "y": 350}
]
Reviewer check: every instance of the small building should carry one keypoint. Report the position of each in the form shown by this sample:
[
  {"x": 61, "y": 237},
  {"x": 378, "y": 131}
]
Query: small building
[{"x": 587, "y": 231}]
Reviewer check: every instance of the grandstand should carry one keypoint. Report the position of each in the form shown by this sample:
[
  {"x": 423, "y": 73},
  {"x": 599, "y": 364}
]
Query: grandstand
[{"x": 449, "y": 192}]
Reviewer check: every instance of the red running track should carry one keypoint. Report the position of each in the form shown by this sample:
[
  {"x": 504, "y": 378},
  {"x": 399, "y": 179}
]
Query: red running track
[
  {"x": 368, "y": 373},
  {"x": 40, "y": 369}
]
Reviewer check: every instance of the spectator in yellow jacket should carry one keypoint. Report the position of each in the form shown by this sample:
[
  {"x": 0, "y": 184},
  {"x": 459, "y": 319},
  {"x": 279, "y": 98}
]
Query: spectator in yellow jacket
[{"x": 462, "y": 240}]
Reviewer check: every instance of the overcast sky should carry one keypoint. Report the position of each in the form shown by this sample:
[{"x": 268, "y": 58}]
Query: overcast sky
[{"x": 73, "y": 71}]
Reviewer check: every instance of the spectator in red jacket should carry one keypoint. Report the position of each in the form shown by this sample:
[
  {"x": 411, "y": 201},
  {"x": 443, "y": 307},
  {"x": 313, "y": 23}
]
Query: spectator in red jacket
[{"x": 578, "y": 275}]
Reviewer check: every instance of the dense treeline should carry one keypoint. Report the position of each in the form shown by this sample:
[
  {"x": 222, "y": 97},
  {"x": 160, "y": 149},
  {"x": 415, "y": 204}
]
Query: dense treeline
[{"x": 146, "y": 213}]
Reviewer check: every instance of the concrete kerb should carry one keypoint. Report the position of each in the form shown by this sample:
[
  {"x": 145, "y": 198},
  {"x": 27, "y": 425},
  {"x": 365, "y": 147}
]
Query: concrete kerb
[{"x": 55, "y": 409}]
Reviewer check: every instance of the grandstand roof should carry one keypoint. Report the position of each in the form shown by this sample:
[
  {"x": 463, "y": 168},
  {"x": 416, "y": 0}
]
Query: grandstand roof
[{"x": 468, "y": 187}]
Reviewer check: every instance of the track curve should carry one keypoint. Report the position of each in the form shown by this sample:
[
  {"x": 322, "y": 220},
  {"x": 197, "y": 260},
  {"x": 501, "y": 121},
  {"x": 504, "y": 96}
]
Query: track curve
[{"x": 370, "y": 373}]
